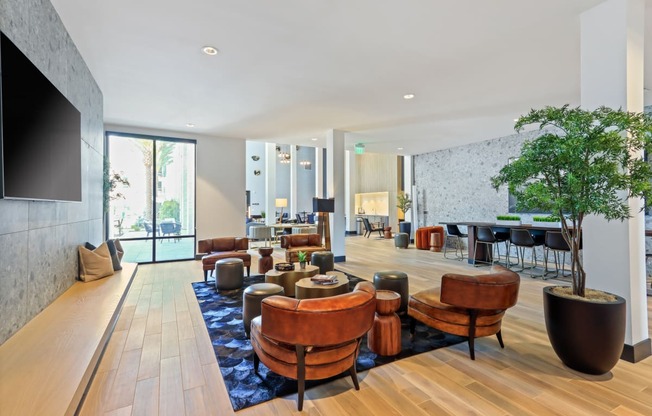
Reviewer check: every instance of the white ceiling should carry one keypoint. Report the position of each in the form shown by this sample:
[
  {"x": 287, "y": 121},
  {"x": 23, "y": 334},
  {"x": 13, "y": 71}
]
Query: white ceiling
[{"x": 290, "y": 70}]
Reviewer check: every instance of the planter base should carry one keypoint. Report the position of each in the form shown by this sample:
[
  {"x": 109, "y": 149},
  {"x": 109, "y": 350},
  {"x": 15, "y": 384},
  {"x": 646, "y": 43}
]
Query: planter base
[{"x": 587, "y": 336}]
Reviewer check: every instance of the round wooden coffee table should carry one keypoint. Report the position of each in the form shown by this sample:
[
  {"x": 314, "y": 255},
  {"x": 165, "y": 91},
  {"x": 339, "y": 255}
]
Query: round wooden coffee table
[
  {"x": 307, "y": 289},
  {"x": 287, "y": 279},
  {"x": 384, "y": 338}
]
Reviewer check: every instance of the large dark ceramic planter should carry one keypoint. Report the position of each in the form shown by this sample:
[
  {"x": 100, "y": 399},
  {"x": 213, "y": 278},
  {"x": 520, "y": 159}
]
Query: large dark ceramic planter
[
  {"x": 587, "y": 336},
  {"x": 405, "y": 227}
]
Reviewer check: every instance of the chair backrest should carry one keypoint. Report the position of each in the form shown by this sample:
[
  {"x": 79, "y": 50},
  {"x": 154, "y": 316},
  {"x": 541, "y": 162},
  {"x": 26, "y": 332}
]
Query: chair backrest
[
  {"x": 453, "y": 229},
  {"x": 367, "y": 224},
  {"x": 167, "y": 227},
  {"x": 300, "y": 240},
  {"x": 148, "y": 226},
  {"x": 497, "y": 290},
  {"x": 486, "y": 235},
  {"x": 299, "y": 219},
  {"x": 323, "y": 321},
  {"x": 521, "y": 237},
  {"x": 555, "y": 240}
]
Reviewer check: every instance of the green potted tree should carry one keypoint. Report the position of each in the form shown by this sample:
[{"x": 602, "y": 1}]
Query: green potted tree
[
  {"x": 404, "y": 203},
  {"x": 583, "y": 162}
]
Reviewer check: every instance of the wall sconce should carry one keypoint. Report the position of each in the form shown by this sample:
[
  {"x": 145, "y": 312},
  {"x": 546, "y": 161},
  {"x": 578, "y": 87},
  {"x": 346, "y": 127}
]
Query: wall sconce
[
  {"x": 257, "y": 172},
  {"x": 283, "y": 155},
  {"x": 255, "y": 158},
  {"x": 307, "y": 165}
]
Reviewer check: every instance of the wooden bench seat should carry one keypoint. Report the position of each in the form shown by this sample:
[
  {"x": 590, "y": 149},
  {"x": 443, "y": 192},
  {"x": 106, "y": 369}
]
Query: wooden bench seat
[{"x": 47, "y": 365}]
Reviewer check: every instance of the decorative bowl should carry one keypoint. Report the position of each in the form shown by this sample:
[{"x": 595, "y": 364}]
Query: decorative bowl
[{"x": 284, "y": 267}]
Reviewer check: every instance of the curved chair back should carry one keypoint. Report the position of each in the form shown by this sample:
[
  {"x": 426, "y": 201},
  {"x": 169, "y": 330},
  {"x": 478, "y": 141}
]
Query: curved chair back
[
  {"x": 323, "y": 321},
  {"x": 453, "y": 229},
  {"x": 521, "y": 237},
  {"x": 555, "y": 241},
  {"x": 497, "y": 290},
  {"x": 486, "y": 235}
]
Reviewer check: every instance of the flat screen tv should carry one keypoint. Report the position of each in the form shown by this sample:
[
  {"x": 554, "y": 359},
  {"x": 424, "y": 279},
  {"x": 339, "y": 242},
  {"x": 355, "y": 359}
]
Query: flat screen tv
[{"x": 40, "y": 133}]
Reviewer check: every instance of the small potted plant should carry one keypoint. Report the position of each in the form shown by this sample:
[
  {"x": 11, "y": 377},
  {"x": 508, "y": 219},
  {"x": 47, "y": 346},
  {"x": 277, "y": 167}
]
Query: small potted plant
[
  {"x": 303, "y": 258},
  {"x": 552, "y": 221},
  {"x": 404, "y": 203},
  {"x": 508, "y": 220},
  {"x": 582, "y": 163}
]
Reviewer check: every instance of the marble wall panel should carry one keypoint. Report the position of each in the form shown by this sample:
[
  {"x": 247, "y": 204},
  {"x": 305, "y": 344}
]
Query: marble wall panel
[{"x": 13, "y": 283}]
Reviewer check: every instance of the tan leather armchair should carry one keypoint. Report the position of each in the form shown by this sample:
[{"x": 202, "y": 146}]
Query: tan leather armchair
[
  {"x": 294, "y": 243},
  {"x": 214, "y": 249},
  {"x": 313, "y": 339},
  {"x": 469, "y": 306}
]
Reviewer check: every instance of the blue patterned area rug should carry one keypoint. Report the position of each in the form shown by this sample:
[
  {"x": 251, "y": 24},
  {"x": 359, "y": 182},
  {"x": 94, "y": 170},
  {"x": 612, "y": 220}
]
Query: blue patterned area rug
[{"x": 223, "y": 317}]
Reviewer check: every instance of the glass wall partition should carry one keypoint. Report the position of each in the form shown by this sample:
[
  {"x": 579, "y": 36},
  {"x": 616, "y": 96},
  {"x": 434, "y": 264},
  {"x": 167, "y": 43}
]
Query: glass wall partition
[{"x": 154, "y": 214}]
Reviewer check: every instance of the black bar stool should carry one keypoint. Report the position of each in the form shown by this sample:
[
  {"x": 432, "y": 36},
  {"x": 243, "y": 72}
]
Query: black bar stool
[
  {"x": 522, "y": 239},
  {"x": 453, "y": 231},
  {"x": 555, "y": 241},
  {"x": 486, "y": 236}
]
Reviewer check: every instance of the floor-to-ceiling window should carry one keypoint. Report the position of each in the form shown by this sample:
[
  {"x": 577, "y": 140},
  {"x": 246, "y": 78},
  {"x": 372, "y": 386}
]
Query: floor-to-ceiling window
[{"x": 154, "y": 214}]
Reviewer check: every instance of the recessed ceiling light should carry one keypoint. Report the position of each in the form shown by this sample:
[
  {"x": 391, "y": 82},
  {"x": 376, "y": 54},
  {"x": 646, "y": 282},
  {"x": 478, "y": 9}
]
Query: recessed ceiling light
[
  {"x": 209, "y": 50},
  {"x": 399, "y": 148},
  {"x": 191, "y": 125},
  {"x": 515, "y": 119},
  {"x": 408, "y": 96},
  {"x": 314, "y": 139}
]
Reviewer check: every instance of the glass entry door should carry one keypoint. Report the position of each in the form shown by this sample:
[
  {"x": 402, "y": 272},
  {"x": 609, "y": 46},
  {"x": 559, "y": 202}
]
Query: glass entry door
[{"x": 154, "y": 214}]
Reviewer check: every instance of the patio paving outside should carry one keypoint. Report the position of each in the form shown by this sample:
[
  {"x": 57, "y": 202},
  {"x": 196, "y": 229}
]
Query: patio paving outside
[{"x": 140, "y": 251}]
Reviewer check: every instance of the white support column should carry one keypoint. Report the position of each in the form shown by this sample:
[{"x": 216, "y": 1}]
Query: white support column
[
  {"x": 349, "y": 186},
  {"x": 294, "y": 162},
  {"x": 612, "y": 75},
  {"x": 319, "y": 172},
  {"x": 336, "y": 189},
  {"x": 270, "y": 183}
]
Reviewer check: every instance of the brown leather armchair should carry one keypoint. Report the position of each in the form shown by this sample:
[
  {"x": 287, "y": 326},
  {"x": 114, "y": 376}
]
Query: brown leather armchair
[
  {"x": 215, "y": 249},
  {"x": 469, "y": 306},
  {"x": 313, "y": 339},
  {"x": 294, "y": 243}
]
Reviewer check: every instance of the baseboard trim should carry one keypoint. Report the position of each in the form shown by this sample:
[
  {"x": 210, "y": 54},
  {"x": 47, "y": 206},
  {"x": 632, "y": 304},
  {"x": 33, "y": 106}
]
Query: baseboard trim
[
  {"x": 350, "y": 233},
  {"x": 339, "y": 259},
  {"x": 637, "y": 352}
]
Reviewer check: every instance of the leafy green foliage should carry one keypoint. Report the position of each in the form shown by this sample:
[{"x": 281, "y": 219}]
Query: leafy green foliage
[
  {"x": 508, "y": 217},
  {"x": 583, "y": 162},
  {"x": 302, "y": 256},
  {"x": 403, "y": 202},
  {"x": 170, "y": 209},
  {"x": 550, "y": 218},
  {"x": 112, "y": 180}
]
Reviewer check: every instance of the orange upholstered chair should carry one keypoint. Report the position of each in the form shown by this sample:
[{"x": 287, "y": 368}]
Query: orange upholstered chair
[
  {"x": 422, "y": 237},
  {"x": 469, "y": 306},
  {"x": 313, "y": 339}
]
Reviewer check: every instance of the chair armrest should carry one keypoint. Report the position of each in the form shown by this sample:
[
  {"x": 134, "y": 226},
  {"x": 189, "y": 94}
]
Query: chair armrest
[{"x": 204, "y": 246}]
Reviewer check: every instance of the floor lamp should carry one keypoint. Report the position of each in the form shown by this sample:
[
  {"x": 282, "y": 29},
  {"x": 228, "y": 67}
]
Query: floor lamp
[
  {"x": 281, "y": 203},
  {"x": 324, "y": 207}
]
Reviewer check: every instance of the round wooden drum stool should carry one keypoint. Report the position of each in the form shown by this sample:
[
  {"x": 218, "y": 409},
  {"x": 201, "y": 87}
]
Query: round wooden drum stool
[{"x": 384, "y": 338}]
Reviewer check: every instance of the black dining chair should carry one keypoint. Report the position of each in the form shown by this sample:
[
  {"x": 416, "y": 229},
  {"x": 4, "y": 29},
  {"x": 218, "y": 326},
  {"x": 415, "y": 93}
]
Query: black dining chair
[
  {"x": 522, "y": 239},
  {"x": 555, "y": 241},
  {"x": 453, "y": 232},
  {"x": 486, "y": 236}
]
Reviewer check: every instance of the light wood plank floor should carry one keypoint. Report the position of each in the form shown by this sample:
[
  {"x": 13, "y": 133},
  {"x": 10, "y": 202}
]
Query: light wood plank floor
[{"x": 160, "y": 362}]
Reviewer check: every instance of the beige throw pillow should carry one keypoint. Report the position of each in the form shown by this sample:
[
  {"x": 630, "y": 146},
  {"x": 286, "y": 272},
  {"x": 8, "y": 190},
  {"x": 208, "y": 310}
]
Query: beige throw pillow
[{"x": 95, "y": 264}]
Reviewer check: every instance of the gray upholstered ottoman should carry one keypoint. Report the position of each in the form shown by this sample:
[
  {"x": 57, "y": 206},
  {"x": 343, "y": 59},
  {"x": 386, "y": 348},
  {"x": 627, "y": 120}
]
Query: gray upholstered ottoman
[
  {"x": 324, "y": 260},
  {"x": 229, "y": 274},
  {"x": 401, "y": 240},
  {"x": 251, "y": 299},
  {"x": 395, "y": 281}
]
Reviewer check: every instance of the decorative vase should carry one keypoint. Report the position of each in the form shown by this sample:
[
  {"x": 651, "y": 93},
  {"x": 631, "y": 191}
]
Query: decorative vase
[
  {"x": 586, "y": 336},
  {"x": 302, "y": 264}
]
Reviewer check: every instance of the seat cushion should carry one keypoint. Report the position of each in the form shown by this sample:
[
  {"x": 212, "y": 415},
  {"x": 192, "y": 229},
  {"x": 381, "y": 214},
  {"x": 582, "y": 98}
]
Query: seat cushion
[{"x": 426, "y": 307}]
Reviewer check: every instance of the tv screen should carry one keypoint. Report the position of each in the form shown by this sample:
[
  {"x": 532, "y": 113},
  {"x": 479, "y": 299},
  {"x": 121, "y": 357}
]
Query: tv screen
[{"x": 40, "y": 133}]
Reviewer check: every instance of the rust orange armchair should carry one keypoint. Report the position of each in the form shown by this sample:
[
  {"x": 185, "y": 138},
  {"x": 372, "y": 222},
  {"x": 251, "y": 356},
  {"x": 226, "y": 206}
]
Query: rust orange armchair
[
  {"x": 469, "y": 306},
  {"x": 312, "y": 339}
]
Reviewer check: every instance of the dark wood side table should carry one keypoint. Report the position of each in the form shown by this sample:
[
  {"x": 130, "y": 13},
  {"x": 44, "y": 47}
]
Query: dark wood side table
[{"x": 384, "y": 338}]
